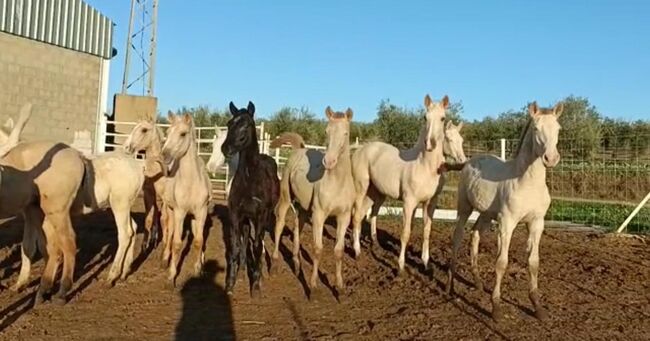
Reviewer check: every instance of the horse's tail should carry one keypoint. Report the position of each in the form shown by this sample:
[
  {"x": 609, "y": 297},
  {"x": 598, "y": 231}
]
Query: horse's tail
[
  {"x": 295, "y": 140},
  {"x": 445, "y": 167}
]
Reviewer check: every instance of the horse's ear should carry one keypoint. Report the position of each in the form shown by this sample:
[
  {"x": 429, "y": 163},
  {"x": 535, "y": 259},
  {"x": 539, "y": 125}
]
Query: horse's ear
[
  {"x": 460, "y": 126},
  {"x": 533, "y": 109},
  {"x": 449, "y": 124},
  {"x": 329, "y": 113},
  {"x": 233, "y": 109},
  {"x": 187, "y": 118},
  {"x": 9, "y": 124},
  {"x": 251, "y": 108},
  {"x": 170, "y": 116},
  {"x": 445, "y": 102},
  {"x": 349, "y": 114},
  {"x": 427, "y": 101},
  {"x": 558, "y": 109}
]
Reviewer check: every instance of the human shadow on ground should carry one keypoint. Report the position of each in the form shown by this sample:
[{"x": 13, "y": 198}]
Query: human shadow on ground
[{"x": 207, "y": 313}]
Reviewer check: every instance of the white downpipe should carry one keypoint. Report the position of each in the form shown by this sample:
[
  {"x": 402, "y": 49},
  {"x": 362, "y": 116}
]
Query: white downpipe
[{"x": 102, "y": 107}]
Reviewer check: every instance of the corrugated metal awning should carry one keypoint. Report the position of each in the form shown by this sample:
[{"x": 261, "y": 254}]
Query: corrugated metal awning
[{"x": 67, "y": 23}]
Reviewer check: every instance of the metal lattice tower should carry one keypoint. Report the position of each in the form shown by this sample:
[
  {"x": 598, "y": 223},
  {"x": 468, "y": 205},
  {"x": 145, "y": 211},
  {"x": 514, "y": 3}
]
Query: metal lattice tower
[{"x": 141, "y": 44}]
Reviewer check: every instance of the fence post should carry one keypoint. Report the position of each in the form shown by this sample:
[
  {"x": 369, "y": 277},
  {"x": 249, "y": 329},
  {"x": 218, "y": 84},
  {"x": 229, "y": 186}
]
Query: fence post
[
  {"x": 277, "y": 156},
  {"x": 634, "y": 213},
  {"x": 503, "y": 149}
]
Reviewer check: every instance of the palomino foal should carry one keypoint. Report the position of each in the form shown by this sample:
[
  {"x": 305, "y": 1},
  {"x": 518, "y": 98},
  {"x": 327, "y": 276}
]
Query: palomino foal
[
  {"x": 510, "y": 192},
  {"x": 321, "y": 183},
  {"x": 188, "y": 191},
  {"x": 254, "y": 195},
  {"x": 452, "y": 149},
  {"x": 381, "y": 170},
  {"x": 147, "y": 137}
]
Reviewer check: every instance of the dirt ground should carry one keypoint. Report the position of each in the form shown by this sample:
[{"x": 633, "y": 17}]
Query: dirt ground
[{"x": 595, "y": 287}]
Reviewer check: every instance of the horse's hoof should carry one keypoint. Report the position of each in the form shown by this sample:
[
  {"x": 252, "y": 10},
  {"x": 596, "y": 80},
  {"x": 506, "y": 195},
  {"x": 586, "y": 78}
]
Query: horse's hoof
[
  {"x": 256, "y": 292},
  {"x": 59, "y": 300},
  {"x": 296, "y": 267},
  {"x": 316, "y": 294},
  {"x": 18, "y": 288},
  {"x": 497, "y": 313},
  {"x": 541, "y": 313},
  {"x": 39, "y": 299}
]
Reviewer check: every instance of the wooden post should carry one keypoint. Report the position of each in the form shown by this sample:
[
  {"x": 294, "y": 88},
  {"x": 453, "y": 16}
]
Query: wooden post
[{"x": 634, "y": 213}]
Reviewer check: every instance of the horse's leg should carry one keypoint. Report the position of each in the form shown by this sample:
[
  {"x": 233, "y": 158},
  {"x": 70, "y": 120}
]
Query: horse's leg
[
  {"x": 359, "y": 212},
  {"x": 176, "y": 244},
  {"x": 535, "y": 229},
  {"x": 361, "y": 205},
  {"x": 342, "y": 223},
  {"x": 198, "y": 243},
  {"x": 232, "y": 252},
  {"x": 463, "y": 214},
  {"x": 280, "y": 217},
  {"x": 33, "y": 217},
  {"x": 428, "y": 208},
  {"x": 52, "y": 257},
  {"x": 128, "y": 257},
  {"x": 407, "y": 218},
  {"x": 378, "y": 201},
  {"x": 168, "y": 232},
  {"x": 150, "y": 215},
  {"x": 254, "y": 255},
  {"x": 301, "y": 221},
  {"x": 317, "y": 220},
  {"x": 481, "y": 224},
  {"x": 125, "y": 236},
  {"x": 506, "y": 227},
  {"x": 65, "y": 236}
]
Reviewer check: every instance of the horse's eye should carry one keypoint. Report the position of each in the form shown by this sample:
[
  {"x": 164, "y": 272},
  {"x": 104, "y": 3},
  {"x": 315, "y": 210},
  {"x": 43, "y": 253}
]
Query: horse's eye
[
  {"x": 144, "y": 130},
  {"x": 183, "y": 134},
  {"x": 442, "y": 119}
]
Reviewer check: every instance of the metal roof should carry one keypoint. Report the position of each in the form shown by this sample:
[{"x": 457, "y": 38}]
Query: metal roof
[{"x": 70, "y": 24}]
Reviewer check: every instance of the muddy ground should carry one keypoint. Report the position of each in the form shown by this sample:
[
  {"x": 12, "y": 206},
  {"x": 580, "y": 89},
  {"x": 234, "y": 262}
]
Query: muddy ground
[{"x": 595, "y": 287}]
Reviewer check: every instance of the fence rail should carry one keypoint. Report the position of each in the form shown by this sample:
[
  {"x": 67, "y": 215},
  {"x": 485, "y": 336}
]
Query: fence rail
[{"x": 593, "y": 186}]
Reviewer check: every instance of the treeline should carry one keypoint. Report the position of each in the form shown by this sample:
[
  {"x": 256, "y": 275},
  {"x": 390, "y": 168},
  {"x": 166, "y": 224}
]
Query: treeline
[{"x": 583, "y": 126}]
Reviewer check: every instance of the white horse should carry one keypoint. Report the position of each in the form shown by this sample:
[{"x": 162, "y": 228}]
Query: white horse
[
  {"x": 381, "y": 170},
  {"x": 452, "y": 149},
  {"x": 217, "y": 159},
  {"x": 320, "y": 183},
  {"x": 188, "y": 191},
  {"x": 510, "y": 192},
  {"x": 111, "y": 180}
]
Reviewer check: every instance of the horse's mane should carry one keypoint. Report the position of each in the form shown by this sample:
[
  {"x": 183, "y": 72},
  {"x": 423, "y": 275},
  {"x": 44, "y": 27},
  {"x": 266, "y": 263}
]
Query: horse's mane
[{"x": 524, "y": 133}]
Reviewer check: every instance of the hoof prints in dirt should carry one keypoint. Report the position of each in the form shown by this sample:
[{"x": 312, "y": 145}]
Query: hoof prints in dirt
[{"x": 582, "y": 280}]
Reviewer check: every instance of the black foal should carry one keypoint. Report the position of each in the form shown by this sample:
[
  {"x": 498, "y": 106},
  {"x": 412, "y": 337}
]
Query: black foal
[{"x": 253, "y": 195}]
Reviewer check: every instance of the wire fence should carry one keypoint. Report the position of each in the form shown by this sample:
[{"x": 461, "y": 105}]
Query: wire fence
[{"x": 595, "y": 184}]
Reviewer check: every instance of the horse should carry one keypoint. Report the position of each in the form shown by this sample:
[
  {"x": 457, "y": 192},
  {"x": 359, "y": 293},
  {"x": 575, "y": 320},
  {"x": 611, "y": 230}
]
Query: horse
[
  {"x": 217, "y": 159},
  {"x": 320, "y": 183},
  {"x": 40, "y": 180},
  {"x": 510, "y": 192},
  {"x": 187, "y": 190},
  {"x": 147, "y": 137},
  {"x": 253, "y": 196},
  {"x": 452, "y": 149},
  {"x": 381, "y": 170}
]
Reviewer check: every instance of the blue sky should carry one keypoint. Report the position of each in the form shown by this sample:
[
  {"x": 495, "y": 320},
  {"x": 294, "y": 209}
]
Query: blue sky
[{"x": 491, "y": 55}]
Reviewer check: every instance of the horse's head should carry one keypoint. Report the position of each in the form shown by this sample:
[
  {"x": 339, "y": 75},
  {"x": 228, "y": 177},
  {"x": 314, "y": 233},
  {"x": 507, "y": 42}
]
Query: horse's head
[
  {"x": 338, "y": 135},
  {"x": 453, "y": 144},
  {"x": 546, "y": 130},
  {"x": 143, "y": 135},
  {"x": 180, "y": 137},
  {"x": 217, "y": 159},
  {"x": 435, "y": 121},
  {"x": 241, "y": 130}
]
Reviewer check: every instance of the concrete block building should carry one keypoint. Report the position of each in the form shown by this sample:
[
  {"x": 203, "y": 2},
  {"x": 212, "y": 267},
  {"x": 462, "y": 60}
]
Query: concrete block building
[{"x": 56, "y": 54}]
